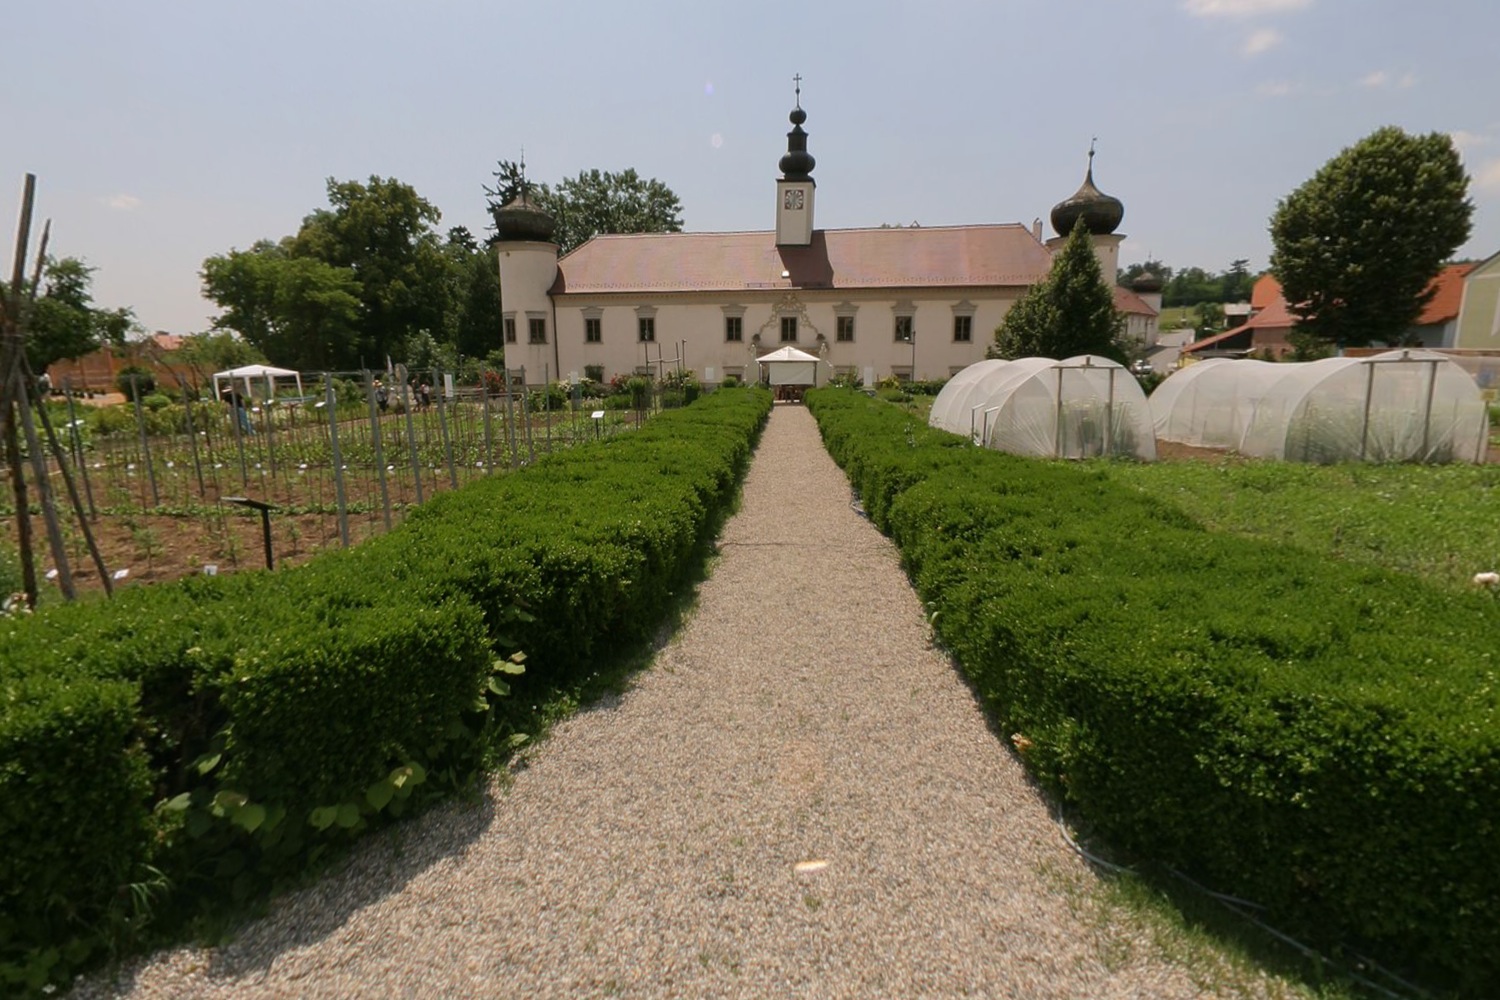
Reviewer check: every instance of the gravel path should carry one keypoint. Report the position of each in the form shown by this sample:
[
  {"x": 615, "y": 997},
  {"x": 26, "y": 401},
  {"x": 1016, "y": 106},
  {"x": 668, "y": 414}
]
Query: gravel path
[{"x": 800, "y": 798}]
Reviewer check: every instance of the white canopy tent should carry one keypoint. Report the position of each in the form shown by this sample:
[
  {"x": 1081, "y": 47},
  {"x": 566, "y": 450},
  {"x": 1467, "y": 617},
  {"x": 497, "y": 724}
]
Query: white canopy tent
[
  {"x": 1399, "y": 406},
  {"x": 789, "y": 366},
  {"x": 253, "y": 378},
  {"x": 1082, "y": 407}
]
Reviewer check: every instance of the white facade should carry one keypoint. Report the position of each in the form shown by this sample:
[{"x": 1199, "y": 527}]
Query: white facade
[{"x": 694, "y": 326}]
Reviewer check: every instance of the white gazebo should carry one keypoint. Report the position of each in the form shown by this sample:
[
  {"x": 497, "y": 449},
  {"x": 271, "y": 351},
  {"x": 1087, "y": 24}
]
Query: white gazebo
[
  {"x": 789, "y": 366},
  {"x": 252, "y": 376}
]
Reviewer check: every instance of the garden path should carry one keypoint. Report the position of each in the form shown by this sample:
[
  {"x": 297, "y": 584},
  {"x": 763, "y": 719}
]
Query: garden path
[{"x": 800, "y": 798}]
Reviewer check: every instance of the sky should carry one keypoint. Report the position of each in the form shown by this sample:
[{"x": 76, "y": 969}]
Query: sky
[{"x": 163, "y": 132}]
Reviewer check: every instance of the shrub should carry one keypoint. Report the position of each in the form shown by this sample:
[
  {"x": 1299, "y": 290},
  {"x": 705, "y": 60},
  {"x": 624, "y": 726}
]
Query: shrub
[
  {"x": 156, "y": 401},
  {"x": 133, "y": 380},
  {"x": 1324, "y": 742},
  {"x": 224, "y": 731}
]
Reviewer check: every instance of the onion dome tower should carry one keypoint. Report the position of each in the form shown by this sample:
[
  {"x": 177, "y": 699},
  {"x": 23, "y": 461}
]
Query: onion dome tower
[
  {"x": 528, "y": 267},
  {"x": 521, "y": 219},
  {"x": 794, "y": 191},
  {"x": 1101, "y": 215}
]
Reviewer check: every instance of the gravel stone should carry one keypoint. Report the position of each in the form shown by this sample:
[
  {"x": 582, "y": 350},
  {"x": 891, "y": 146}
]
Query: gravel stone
[{"x": 801, "y": 798}]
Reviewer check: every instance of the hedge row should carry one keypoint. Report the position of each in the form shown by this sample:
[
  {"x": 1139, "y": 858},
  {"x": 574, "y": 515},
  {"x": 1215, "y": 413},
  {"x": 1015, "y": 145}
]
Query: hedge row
[
  {"x": 207, "y": 735},
  {"x": 1318, "y": 737}
]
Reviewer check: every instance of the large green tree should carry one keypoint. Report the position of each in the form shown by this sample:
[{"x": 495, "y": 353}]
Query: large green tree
[
  {"x": 298, "y": 311},
  {"x": 351, "y": 288},
  {"x": 1070, "y": 312},
  {"x": 593, "y": 203},
  {"x": 384, "y": 232},
  {"x": 1357, "y": 244}
]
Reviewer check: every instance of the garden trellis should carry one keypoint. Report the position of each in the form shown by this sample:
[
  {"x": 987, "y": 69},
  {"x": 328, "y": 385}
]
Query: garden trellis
[{"x": 334, "y": 449}]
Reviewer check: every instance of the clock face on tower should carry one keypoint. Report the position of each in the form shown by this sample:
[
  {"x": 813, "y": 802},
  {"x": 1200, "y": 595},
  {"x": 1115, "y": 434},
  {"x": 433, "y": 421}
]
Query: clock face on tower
[{"x": 793, "y": 198}]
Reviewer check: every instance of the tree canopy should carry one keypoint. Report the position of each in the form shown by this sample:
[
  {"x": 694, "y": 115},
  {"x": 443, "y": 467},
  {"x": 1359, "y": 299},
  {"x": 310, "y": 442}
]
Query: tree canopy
[
  {"x": 592, "y": 203},
  {"x": 1070, "y": 312},
  {"x": 357, "y": 283},
  {"x": 1357, "y": 244},
  {"x": 64, "y": 323}
]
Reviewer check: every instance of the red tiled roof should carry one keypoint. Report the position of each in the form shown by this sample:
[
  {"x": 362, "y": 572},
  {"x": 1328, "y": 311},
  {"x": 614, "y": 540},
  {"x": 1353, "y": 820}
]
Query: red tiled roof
[
  {"x": 1447, "y": 296},
  {"x": 1447, "y": 285},
  {"x": 943, "y": 256},
  {"x": 1127, "y": 301},
  {"x": 1265, "y": 291}
]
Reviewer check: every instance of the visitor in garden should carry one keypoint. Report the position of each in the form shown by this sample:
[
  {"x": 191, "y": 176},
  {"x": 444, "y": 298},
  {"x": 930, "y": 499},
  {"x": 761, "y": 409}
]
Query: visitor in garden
[
  {"x": 424, "y": 395},
  {"x": 238, "y": 408},
  {"x": 382, "y": 397}
]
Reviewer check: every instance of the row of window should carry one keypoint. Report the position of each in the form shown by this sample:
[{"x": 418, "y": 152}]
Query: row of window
[{"x": 734, "y": 329}]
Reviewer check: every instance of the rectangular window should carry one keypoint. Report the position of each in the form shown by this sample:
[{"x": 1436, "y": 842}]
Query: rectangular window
[
  {"x": 594, "y": 373},
  {"x": 593, "y": 331},
  {"x": 734, "y": 328},
  {"x": 536, "y": 331},
  {"x": 846, "y": 328},
  {"x": 648, "y": 328},
  {"x": 963, "y": 329},
  {"x": 904, "y": 329},
  {"x": 510, "y": 329},
  {"x": 788, "y": 329}
]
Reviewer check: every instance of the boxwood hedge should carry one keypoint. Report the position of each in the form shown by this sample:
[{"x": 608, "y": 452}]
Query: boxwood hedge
[
  {"x": 202, "y": 736},
  {"x": 1319, "y": 737}
]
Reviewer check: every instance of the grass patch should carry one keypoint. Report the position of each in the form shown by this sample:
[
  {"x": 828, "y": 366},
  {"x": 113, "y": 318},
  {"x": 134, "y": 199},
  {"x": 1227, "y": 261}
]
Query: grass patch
[{"x": 1433, "y": 522}]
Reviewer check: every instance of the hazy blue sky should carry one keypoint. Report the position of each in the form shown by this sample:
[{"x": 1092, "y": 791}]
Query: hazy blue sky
[{"x": 164, "y": 132}]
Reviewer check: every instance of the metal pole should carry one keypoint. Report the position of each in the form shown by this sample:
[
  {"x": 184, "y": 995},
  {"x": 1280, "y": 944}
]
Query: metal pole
[
  {"x": 1427, "y": 414},
  {"x": 140, "y": 424},
  {"x": 1364, "y": 431},
  {"x": 526, "y": 416},
  {"x": 547, "y": 403},
  {"x": 385, "y": 493},
  {"x": 1109, "y": 417},
  {"x": 9, "y": 367},
  {"x": 187, "y": 412},
  {"x": 411, "y": 436},
  {"x": 437, "y": 377},
  {"x": 83, "y": 465},
  {"x": 1057, "y": 432},
  {"x": 43, "y": 485},
  {"x": 83, "y": 524},
  {"x": 489, "y": 447},
  {"x": 338, "y": 460}
]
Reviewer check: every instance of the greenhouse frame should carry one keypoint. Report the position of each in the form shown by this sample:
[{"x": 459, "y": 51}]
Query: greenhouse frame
[
  {"x": 1082, "y": 407},
  {"x": 1397, "y": 406}
]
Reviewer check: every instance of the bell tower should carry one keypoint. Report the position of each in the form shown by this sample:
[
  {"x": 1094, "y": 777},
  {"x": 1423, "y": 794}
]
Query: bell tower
[{"x": 795, "y": 189}]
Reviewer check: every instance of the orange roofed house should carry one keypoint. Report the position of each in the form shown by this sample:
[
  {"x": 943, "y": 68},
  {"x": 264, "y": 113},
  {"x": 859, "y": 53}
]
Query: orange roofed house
[
  {"x": 914, "y": 302},
  {"x": 1269, "y": 327}
]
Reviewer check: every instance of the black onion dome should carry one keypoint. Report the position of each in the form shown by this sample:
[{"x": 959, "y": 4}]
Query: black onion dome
[
  {"x": 520, "y": 219},
  {"x": 798, "y": 163},
  {"x": 1146, "y": 281},
  {"x": 1101, "y": 213}
]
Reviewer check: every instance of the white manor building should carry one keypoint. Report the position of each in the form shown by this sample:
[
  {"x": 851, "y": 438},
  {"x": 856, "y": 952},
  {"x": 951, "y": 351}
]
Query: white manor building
[{"x": 917, "y": 302}]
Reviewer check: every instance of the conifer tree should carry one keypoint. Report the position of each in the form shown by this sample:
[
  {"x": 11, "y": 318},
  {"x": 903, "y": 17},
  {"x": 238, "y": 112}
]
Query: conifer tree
[{"x": 1070, "y": 312}]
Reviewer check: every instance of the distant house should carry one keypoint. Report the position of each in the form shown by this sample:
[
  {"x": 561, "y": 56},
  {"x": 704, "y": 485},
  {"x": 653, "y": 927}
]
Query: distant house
[{"x": 1267, "y": 333}]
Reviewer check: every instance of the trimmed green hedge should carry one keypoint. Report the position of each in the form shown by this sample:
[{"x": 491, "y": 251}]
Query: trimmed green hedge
[
  {"x": 1322, "y": 738},
  {"x": 202, "y": 737}
]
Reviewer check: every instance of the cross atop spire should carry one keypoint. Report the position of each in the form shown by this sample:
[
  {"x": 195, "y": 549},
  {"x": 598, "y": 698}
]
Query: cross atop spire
[
  {"x": 798, "y": 81},
  {"x": 1092, "y": 140}
]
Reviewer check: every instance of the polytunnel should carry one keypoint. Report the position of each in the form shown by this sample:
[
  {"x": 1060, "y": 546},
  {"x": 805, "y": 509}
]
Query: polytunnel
[
  {"x": 1398, "y": 406},
  {"x": 1082, "y": 407},
  {"x": 1210, "y": 403}
]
